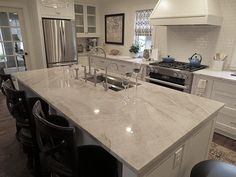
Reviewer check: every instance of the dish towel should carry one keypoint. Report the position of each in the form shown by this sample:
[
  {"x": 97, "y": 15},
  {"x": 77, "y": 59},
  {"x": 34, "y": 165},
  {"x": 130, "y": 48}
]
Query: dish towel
[
  {"x": 201, "y": 87},
  {"x": 154, "y": 54}
]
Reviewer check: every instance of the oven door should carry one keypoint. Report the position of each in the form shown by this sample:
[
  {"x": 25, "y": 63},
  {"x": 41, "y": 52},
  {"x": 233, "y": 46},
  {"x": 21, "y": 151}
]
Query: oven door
[{"x": 167, "y": 81}]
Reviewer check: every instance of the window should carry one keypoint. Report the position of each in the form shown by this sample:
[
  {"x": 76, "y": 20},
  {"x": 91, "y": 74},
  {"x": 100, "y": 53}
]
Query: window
[{"x": 143, "y": 30}]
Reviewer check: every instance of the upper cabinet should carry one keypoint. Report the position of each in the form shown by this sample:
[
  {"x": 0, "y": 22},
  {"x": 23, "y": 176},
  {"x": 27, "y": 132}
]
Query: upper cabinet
[
  {"x": 86, "y": 20},
  {"x": 57, "y": 9}
]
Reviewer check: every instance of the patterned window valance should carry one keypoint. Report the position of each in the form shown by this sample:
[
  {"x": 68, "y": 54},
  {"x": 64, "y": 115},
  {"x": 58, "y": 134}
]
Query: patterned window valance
[{"x": 142, "y": 25}]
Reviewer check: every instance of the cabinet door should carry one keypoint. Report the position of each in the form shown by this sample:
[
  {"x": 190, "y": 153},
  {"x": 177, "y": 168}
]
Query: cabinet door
[
  {"x": 224, "y": 92},
  {"x": 79, "y": 18},
  {"x": 166, "y": 169},
  {"x": 97, "y": 62},
  {"x": 83, "y": 60},
  {"x": 51, "y": 11},
  {"x": 86, "y": 20},
  {"x": 91, "y": 20},
  {"x": 226, "y": 122},
  {"x": 196, "y": 148}
]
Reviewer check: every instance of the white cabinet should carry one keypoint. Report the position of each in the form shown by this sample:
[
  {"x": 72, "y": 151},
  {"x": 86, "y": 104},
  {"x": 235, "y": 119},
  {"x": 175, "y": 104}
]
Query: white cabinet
[
  {"x": 83, "y": 60},
  {"x": 200, "y": 142},
  {"x": 226, "y": 92},
  {"x": 223, "y": 91},
  {"x": 182, "y": 159},
  {"x": 209, "y": 85},
  {"x": 62, "y": 11},
  {"x": 86, "y": 17}
]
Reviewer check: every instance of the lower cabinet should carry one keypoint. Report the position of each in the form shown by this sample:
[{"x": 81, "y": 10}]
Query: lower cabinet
[
  {"x": 83, "y": 60},
  {"x": 223, "y": 91},
  {"x": 101, "y": 63},
  {"x": 196, "y": 148},
  {"x": 182, "y": 159},
  {"x": 226, "y": 122}
]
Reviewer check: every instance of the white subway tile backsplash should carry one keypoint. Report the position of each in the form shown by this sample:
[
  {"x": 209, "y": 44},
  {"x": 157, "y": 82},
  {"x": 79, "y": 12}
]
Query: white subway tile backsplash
[{"x": 182, "y": 41}]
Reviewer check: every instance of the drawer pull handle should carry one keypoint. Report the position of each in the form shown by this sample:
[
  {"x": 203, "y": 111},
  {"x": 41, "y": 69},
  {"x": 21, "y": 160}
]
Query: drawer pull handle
[{"x": 124, "y": 66}]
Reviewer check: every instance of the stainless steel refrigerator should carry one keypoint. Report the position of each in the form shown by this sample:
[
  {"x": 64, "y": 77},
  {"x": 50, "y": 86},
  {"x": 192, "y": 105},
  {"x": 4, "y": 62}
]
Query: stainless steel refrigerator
[{"x": 60, "y": 42}]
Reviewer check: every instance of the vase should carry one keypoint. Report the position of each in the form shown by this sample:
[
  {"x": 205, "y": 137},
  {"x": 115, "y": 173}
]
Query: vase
[{"x": 134, "y": 55}]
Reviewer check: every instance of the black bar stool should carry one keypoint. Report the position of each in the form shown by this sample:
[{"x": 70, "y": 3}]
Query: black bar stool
[
  {"x": 20, "y": 108},
  {"x": 3, "y": 78},
  {"x": 56, "y": 141},
  {"x": 213, "y": 168}
]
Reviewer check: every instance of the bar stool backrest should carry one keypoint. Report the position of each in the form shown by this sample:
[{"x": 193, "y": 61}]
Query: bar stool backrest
[
  {"x": 4, "y": 78},
  {"x": 16, "y": 101},
  {"x": 56, "y": 141}
]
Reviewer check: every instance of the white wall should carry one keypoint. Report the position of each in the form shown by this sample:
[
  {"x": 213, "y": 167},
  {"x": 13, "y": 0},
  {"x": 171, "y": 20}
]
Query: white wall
[
  {"x": 183, "y": 41},
  {"x": 129, "y": 7}
]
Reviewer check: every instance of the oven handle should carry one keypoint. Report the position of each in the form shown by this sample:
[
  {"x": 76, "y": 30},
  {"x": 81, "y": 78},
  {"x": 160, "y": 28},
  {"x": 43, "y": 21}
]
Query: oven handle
[{"x": 166, "y": 83}]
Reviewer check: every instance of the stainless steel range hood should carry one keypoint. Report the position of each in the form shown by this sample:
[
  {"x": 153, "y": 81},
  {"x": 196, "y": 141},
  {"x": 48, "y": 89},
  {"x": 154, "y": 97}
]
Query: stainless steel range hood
[{"x": 186, "y": 12}]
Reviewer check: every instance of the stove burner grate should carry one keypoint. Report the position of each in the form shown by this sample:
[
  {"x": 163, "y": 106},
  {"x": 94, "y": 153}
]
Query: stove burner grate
[{"x": 179, "y": 65}]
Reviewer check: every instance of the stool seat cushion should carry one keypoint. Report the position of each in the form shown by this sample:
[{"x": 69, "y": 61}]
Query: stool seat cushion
[{"x": 213, "y": 168}]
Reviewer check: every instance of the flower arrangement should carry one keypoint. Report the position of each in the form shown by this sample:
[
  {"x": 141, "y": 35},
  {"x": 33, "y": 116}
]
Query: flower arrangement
[{"x": 134, "y": 48}]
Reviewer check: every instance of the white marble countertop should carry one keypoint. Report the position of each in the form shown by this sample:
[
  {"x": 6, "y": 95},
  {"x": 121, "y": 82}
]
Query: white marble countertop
[
  {"x": 136, "y": 134},
  {"x": 126, "y": 59},
  {"x": 225, "y": 75}
]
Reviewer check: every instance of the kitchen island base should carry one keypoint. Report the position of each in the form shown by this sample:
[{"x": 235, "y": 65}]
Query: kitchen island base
[{"x": 163, "y": 135}]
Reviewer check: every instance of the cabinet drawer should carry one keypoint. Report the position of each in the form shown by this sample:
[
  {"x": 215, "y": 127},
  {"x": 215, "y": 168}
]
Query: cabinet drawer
[
  {"x": 98, "y": 63},
  {"x": 124, "y": 68},
  {"x": 83, "y": 60},
  {"x": 228, "y": 88},
  {"x": 228, "y": 98},
  {"x": 227, "y": 116}
]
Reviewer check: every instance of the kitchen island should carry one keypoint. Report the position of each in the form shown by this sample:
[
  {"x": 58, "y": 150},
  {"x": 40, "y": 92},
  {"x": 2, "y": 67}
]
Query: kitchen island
[{"x": 163, "y": 134}]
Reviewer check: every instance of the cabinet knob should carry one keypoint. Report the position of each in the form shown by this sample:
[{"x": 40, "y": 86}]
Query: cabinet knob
[{"x": 58, "y": 13}]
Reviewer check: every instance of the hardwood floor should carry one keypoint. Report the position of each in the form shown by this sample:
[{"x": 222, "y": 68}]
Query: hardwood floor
[
  {"x": 224, "y": 141},
  {"x": 13, "y": 160}
]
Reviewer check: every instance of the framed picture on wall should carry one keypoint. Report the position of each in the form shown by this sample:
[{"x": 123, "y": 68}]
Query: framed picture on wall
[{"x": 114, "y": 29}]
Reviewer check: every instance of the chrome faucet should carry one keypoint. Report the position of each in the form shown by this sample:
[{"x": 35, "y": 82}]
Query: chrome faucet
[
  {"x": 107, "y": 66},
  {"x": 95, "y": 50}
]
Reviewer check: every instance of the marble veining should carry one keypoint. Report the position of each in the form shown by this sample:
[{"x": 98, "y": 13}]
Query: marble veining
[{"x": 136, "y": 134}]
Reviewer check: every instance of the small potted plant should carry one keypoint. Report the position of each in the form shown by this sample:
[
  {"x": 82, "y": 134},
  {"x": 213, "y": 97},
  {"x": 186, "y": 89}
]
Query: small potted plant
[{"x": 134, "y": 50}]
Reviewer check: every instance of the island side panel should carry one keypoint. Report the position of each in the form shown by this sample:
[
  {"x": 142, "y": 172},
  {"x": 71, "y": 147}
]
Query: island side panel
[
  {"x": 197, "y": 147},
  {"x": 180, "y": 161}
]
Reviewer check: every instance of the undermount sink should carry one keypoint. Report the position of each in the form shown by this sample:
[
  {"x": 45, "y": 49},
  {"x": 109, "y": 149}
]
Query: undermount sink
[{"x": 114, "y": 83}]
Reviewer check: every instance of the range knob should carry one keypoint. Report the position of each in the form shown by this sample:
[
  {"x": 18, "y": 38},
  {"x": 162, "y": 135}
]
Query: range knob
[
  {"x": 151, "y": 69},
  {"x": 175, "y": 75},
  {"x": 180, "y": 76},
  {"x": 185, "y": 77}
]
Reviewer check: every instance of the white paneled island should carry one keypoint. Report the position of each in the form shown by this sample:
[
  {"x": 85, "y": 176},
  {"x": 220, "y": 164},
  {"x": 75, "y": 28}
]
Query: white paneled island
[{"x": 163, "y": 134}]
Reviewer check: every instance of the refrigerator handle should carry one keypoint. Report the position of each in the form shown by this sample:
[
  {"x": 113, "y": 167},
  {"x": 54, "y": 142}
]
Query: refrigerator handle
[{"x": 63, "y": 39}]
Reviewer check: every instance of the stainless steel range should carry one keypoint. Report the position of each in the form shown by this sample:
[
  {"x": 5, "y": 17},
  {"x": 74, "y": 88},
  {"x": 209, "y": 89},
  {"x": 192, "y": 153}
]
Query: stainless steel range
[{"x": 176, "y": 75}]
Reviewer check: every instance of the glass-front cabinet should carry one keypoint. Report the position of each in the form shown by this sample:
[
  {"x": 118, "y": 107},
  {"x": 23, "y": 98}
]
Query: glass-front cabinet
[{"x": 86, "y": 20}]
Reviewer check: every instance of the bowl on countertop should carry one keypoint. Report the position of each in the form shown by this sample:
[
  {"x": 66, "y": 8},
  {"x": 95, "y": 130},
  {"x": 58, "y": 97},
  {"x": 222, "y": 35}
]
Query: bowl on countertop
[{"x": 114, "y": 52}]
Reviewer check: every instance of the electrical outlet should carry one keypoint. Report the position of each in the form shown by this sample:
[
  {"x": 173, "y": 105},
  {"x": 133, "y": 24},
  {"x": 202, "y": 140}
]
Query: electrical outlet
[{"x": 178, "y": 157}]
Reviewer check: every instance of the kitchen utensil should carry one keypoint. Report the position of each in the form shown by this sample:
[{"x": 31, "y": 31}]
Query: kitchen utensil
[
  {"x": 146, "y": 54},
  {"x": 80, "y": 48},
  {"x": 168, "y": 59},
  {"x": 195, "y": 59}
]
